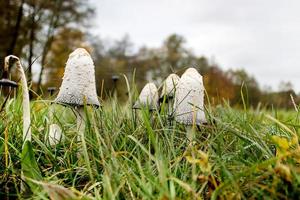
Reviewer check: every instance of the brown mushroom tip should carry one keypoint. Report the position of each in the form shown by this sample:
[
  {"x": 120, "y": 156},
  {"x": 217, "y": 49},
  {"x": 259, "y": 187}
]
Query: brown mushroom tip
[
  {"x": 12, "y": 59},
  {"x": 9, "y": 61}
]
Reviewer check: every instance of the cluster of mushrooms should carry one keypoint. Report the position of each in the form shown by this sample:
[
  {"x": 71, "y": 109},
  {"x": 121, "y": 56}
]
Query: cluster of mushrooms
[{"x": 184, "y": 96}]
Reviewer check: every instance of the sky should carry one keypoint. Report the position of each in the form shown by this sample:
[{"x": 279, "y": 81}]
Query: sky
[{"x": 261, "y": 36}]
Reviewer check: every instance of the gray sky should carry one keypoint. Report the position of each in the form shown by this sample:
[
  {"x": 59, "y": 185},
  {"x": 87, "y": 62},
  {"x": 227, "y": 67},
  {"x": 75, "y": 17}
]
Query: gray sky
[{"x": 262, "y": 36}]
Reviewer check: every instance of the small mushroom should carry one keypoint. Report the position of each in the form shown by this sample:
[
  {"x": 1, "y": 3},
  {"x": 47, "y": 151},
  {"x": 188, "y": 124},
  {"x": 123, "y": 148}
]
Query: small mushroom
[
  {"x": 55, "y": 135},
  {"x": 79, "y": 86},
  {"x": 51, "y": 90},
  {"x": 5, "y": 82},
  {"x": 169, "y": 87},
  {"x": 189, "y": 99},
  {"x": 115, "y": 79},
  {"x": 148, "y": 98},
  {"x": 8, "y": 83},
  {"x": 168, "y": 93}
]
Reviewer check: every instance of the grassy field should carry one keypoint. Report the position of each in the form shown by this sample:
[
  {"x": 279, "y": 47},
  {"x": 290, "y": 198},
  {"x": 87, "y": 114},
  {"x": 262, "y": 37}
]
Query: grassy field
[{"x": 240, "y": 154}]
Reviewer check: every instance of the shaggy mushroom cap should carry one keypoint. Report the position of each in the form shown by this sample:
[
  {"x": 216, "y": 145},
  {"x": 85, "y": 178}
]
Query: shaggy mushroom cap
[
  {"x": 79, "y": 85},
  {"x": 170, "y": 86},
  {"x": 189, "y": 99},
  {"x": 148, "y": 97},
  {"x": 193, "y": 73}
]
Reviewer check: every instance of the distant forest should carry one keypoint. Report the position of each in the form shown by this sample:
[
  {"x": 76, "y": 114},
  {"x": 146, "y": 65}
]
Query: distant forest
[{"x": 43, "y": 33}]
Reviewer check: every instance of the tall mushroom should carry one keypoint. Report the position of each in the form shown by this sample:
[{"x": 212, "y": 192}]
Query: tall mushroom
[
  {"x": 9, "y": 61},
  {"x": 189, "y": 99},
  {"x": 148, "y": 98},
  {"x": 28, "y": 163},
  {"x": 79, "y": 86}
]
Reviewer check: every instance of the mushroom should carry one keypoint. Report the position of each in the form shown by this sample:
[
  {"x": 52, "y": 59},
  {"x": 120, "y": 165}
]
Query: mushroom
[
  {"x": 189, "y": 99},
  {"x": 79, "y": 86},
  {"x": 51, "y": 90},
  {"x": 55, "y": 135},
  {"x": 27, "y": 162},
  {"x": 9, "y": 61},
  {"x": 168, "y": 91},
  {"x": 148, "y": 98},
  {"x": 8, "y": 83},
  {"x": 169, "y": 86},
  {"x": 5, "y": 82}
]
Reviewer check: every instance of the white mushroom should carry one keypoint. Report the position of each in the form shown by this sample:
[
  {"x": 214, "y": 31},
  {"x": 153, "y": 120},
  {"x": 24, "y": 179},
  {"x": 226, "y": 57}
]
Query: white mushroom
[
  {"x": 55, "y": 135},
  {"x": 148, "y": 98},
  {"x": 79, "y": 86},
  {"x": 9, "y": 60},
  {"x": 169, "y": 86},
  {"x": 189, "y": 99}
]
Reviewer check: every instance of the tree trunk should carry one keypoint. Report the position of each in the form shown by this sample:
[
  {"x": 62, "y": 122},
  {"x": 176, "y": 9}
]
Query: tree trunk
[
  {"x": 31, "y": 48},
  {"x": 50, "y": 37},
  {"x": 16, "y": 30}
]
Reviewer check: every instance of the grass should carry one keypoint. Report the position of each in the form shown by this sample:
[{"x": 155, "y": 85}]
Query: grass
[{"x": 241, "y": 154}]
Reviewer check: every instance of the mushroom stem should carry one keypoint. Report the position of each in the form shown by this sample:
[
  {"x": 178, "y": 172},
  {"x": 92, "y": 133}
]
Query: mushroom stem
[
  {"x": 25, "y": 96},
  {"x": 80, "y": 117},
  {"x": 170, "y": 109},
  {"x": 190, "y": 130}
]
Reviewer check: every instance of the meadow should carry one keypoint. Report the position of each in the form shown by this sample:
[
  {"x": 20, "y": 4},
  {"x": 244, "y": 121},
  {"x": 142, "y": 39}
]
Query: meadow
[{"x": 242, "y": 153}]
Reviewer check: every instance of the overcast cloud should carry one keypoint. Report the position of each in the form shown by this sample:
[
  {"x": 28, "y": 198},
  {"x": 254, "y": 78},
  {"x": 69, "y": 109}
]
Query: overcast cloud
[{"x": 262, "y": 36}]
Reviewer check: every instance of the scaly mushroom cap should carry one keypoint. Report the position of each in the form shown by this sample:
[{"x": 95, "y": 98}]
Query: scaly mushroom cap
[
  {"x": 148, "y": 97},
  {"x": 192, "y": 72},
  {"x": 79, "y": 85},
  {"x": 169, "y": 86},
  {"x": 189, "y": 99}
]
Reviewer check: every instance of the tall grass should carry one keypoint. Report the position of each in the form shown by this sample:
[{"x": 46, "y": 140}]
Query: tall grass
[{"x": 240, "y": 154}]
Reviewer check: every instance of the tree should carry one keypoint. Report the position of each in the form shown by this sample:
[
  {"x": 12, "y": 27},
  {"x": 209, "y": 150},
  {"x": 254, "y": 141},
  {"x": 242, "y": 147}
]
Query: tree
[
  {"x": 218, "y": 86},
  {"x": 244, "y": 85},
  {"x": 28, "y": 27},
  {"x": 285, "y": 86},
  {"x": 66, "y": 40},
  {"x": 13, "y": 30}
]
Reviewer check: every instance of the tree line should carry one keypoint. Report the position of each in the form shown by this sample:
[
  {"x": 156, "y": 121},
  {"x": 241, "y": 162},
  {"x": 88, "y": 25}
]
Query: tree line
[{"x": 43, "y": 33}]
